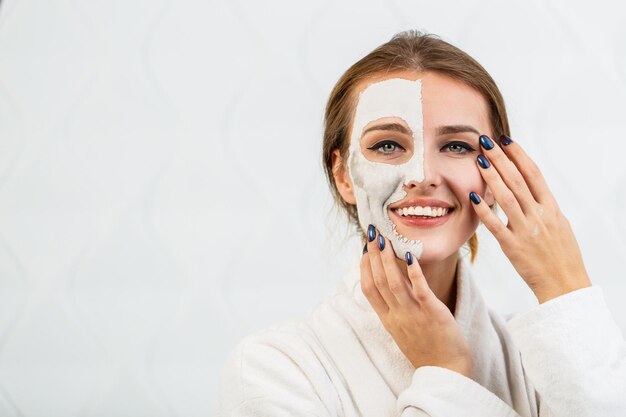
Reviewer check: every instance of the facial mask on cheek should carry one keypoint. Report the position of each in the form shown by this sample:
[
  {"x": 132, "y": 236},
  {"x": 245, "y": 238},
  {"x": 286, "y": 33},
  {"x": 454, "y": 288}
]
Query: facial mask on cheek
[{"x": 378, "y": 185}]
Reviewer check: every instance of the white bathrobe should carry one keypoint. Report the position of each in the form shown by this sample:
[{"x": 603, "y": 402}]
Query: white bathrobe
[{"x": 564, "y": 358}]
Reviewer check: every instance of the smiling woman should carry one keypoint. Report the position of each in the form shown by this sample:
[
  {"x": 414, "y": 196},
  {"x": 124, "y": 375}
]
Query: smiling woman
[
  {"x": 428, "y": 124},
  {"x": 409, "y": 156}
]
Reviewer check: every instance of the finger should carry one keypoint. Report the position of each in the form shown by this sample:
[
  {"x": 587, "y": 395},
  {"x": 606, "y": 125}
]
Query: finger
[
  {"x": 369, "y": 288},
  {"x": 420, "y": 289},
  {"x": 510, "y": 174},
  {"x": 490, "y": 220},
  {"x": 529, "y": 170},
  {"x": 398, "y": 283},
  {"x": 505, "y": 197},
  {"x": 378, "y": 271}
]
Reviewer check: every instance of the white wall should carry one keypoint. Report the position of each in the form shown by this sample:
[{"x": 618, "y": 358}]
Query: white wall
[{"x": 161, "y": 190}]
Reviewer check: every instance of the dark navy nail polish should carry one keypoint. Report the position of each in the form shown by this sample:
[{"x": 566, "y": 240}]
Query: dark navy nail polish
[
  {"x": 371, "y": 233},
  {"x": 381, "y": 242},
  {"x": 365, "y": 249},
  {"x": 483, "y": 161},
  {"x": 485, "y": 142},
  {"x": 505, "y": 140},
  {"x": 474, "y": 197},
  {"x": 409, "y": 258}
]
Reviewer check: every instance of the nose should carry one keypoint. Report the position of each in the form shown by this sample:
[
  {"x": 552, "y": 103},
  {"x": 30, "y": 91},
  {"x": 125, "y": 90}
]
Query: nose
[{"x": 431, "y": 178}]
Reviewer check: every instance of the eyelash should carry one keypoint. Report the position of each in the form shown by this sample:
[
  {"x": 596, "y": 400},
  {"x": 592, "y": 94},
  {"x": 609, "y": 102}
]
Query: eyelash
[
  {"x": 379, "y": 145},
  {"x": 463, "y": 145}
]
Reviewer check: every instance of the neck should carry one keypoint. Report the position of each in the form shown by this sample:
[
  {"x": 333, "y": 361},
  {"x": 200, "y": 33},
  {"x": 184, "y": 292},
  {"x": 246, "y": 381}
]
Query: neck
[{"x": 441, "y": 278}]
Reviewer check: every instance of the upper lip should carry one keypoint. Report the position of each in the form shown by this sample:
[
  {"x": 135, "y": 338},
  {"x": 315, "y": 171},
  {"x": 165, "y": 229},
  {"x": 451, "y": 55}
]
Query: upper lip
[{"x": 422, "y": 202}]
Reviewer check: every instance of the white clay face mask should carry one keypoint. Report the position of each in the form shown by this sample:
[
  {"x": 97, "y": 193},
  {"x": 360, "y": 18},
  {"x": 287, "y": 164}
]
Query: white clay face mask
[{"x": 377, "y": 184}]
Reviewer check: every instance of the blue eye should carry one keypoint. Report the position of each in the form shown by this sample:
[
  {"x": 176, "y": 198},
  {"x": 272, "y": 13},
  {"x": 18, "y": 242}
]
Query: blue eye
[
  {"x": 386, "y": 147},
  {"x": 458, "y": 147}
]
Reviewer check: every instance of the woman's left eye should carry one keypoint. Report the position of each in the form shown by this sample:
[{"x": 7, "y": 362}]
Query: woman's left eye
[
  {"x": 459, "y": 147},
  {"x": 386, "y": 147}
]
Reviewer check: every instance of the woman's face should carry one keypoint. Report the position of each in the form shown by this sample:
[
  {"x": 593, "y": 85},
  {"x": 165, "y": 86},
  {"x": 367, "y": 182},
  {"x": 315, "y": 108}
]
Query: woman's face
[{"x": 412, "y": 160}]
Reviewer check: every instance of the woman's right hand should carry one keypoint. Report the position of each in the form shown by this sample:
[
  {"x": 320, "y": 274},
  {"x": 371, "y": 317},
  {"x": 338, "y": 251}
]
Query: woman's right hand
[{"x": 421, "y": 325}]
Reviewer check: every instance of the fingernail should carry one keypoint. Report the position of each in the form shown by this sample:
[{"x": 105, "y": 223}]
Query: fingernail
[
  {"x": 485, "y": 142},
  {"x": 474, "y": 197},
  {"x": 371, "y": 233},
  {"x": 505, "y": 140},
  {"x": 483, "y": 162},
  {"x": 381, "y": 242},
  {"x": 409, "y": 258},
  {"x": 365, "y": 249}
]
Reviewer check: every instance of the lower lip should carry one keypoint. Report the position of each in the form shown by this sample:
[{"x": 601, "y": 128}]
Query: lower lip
[{"x": 423, "y": 221}]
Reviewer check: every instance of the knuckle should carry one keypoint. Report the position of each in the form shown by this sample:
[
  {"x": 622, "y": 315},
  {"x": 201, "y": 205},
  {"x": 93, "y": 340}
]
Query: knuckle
[
  {"x": 498, "y": 156},
  {"x": 508, "y": 200},
  {"x": 498, "y": 230},
  {"x": 533, "y": 170},
  {"x": 396, "y": 286},
  {"x": 557, "y": 220},
  {"x": 501, "y": 159},
  {"x": 421, "y": 295},
  {"x": 379, "y": 281},
  {"x": 367, "y": 287},
  {"x": 517, "y": 183}
]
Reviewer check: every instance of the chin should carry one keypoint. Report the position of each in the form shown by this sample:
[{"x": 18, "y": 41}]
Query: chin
[{"x": 434, "y": 253}]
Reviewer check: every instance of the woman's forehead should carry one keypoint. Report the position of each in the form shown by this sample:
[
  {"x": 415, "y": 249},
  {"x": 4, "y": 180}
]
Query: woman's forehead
[{"x": 441, "y": 99}]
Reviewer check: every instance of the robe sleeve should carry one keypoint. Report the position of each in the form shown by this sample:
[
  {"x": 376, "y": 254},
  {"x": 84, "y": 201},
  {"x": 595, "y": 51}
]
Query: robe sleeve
[
  {"x": 440, "y": 392},
  {"x": 574, "y": 354}
]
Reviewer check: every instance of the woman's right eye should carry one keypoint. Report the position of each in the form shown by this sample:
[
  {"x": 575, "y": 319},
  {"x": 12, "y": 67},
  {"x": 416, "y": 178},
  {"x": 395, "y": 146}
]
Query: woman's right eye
[{"x": 386, "y": 147}]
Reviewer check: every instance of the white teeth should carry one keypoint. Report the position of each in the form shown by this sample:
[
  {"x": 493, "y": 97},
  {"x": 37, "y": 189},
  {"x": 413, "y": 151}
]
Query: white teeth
[{"x": 422, "y": 211}]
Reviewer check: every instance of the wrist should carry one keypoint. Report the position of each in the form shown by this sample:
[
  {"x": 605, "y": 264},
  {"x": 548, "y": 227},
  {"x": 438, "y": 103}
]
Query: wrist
[
  {"x": 548, "y": 293},
  {"x": 464, "y": 368}
]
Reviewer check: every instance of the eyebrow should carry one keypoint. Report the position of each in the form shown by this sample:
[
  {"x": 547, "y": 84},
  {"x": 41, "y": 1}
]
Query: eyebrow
[
  {"x": 446, "y": 130},
  {"x": 442, "y": 130},
  {"x": 396, "y": 127}
]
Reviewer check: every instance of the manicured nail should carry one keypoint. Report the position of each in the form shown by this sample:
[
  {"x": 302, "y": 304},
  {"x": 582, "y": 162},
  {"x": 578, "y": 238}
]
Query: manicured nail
[
  {"x": 371, "y": 233},
  {"x": 381, "y": 242},
  {"x": 474, "y": 197},
  {"x": 483, "y": 162},
  {"x": 409, "y": 258},
  {"x": 505, "y": 140},
  {"x": 365, "y": 249},
  {"x": 485, "y": 142}
]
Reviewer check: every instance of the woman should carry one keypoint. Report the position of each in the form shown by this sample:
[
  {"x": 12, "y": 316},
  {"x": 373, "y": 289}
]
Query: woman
[{"x": 409, "y": 155}]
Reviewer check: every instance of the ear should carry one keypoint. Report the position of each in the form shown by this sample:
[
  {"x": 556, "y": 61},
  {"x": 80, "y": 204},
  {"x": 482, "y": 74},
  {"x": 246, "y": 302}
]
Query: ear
[{"x": 342, "y": 179}]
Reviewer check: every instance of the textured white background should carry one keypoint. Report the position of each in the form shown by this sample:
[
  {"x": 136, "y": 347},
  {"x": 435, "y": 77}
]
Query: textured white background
[{"x": 161, "y": 191}]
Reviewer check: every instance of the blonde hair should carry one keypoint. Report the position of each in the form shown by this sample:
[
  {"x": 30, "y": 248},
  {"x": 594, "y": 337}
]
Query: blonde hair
[{"x": 410, "y": 50}]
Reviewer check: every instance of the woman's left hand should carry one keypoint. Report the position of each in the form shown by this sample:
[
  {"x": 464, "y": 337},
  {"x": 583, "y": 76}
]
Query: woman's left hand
[{"x": 538, "y": 239}]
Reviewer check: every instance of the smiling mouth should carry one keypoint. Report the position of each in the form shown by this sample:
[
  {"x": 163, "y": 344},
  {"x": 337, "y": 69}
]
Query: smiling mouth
[
  {"x": 422, "y": 212},
  {"x": 421, "y": 217}
]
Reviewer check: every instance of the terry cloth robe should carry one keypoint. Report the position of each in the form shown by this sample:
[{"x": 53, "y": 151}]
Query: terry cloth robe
[{"x": 564, "y": 358}]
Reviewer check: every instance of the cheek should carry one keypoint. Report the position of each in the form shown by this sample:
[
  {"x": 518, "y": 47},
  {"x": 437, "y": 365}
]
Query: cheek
[
  {"x": 378, "y": 181},
  {"x": 464, "y": 177}
]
